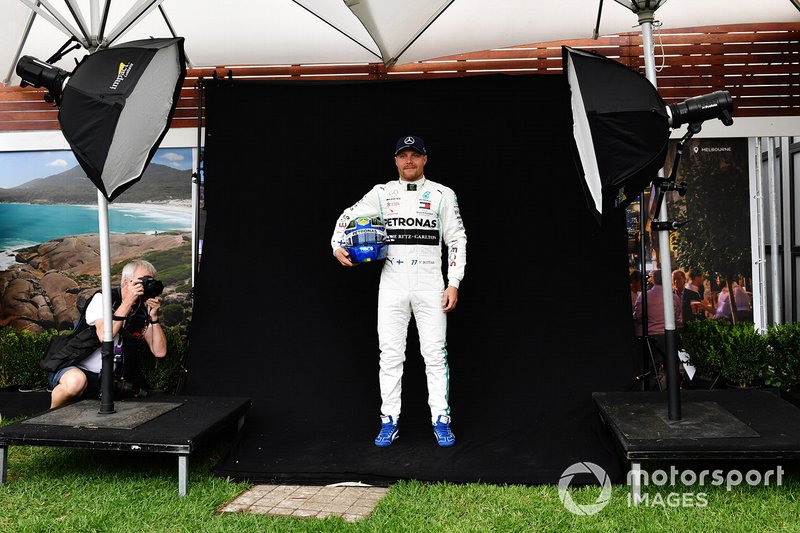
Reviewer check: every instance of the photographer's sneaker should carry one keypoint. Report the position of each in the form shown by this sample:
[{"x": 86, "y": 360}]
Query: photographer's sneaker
[
  {"x": 388, "y": 431},
  {"x": 441, "y": 430}
]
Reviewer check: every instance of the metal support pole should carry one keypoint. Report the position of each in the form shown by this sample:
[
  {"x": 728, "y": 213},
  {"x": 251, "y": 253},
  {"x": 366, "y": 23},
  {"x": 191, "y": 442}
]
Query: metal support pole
[
  {"x": 670, "y": 335},
  {"x": 784, "y": 176},
  {"x": 3, "y": 463},
  {"x": 94, "y": 22},
  {"x": 774, "y": 241},
  {"x": 635, "y": 481},
  {"x": 107, "y": 351},
  {"x": 183, "y": 474},
  {"x": 761, "y": 312},
  {"x": 196, "y": 184}
]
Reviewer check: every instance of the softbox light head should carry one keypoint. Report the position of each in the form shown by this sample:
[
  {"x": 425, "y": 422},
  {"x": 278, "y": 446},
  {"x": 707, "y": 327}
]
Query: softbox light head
[
  {"x": 117, "y": 106},
  {"x": 698, "y": 109},
  {"x": 37, "y": 73},
  {"x": 620, "y": 127}
]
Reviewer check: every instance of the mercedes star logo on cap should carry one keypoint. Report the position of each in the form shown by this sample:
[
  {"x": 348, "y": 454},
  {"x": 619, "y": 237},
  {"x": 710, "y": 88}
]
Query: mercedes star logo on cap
[{"x": 409, "y": 140}]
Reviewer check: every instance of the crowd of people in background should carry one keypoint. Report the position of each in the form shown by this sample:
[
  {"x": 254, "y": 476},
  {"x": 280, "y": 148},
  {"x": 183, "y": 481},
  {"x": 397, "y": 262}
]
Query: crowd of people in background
[{"x": 694, "y": 298}]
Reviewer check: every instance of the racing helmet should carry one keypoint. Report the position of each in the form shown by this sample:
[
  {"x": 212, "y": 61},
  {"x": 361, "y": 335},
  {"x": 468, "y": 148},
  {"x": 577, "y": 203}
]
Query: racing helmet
[{"x": 365, "y": 239}]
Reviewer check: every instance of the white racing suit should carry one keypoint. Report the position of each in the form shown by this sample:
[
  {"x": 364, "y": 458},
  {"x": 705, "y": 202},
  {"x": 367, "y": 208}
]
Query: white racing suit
[{"x": 420, "y": 216}]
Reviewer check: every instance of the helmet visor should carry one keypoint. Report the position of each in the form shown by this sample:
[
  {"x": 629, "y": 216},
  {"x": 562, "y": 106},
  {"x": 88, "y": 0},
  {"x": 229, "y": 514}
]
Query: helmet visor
[{"x": 361, "y": 237}]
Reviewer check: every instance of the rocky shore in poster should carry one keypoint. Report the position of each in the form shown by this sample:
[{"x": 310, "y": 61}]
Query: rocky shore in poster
[{"x": 41, "y": 290}]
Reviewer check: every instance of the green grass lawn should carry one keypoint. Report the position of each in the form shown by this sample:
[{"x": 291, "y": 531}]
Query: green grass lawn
[{"x": 50, "y": 489}]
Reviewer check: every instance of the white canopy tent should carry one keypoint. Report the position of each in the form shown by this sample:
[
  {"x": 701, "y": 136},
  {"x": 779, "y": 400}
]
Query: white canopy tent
[{"x": 280, "y": 32}]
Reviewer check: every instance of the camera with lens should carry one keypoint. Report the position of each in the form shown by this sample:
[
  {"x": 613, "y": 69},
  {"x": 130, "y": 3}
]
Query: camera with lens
[{"x": 152, "y": 287}]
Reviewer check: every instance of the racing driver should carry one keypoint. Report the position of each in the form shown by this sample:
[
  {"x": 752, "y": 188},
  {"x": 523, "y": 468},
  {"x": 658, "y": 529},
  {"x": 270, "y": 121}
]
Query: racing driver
[{"x": 420, "y": 215}]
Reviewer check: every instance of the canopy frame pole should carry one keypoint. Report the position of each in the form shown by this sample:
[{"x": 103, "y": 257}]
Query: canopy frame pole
[
  {"x": 107, "y": 350},
  {"x": 55, "y": 18},
  {"x": 94, "y": 21},
  {"x": 22, "y": 41},
  {"x": 136, "y": 13},
  {"x": 77, "y": 15},
  {"x": 670, "y": 335}
]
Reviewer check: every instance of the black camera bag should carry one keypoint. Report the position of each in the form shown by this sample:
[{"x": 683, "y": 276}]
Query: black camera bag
[{"x": 66, "y": 350}]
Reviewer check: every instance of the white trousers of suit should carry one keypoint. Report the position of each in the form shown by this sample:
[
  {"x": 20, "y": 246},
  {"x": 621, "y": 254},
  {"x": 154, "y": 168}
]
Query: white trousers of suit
[{"x": 395, "y": 308}]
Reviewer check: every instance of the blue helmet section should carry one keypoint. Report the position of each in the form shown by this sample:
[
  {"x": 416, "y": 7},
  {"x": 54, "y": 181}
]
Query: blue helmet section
[{"x": 365, "y": 239}]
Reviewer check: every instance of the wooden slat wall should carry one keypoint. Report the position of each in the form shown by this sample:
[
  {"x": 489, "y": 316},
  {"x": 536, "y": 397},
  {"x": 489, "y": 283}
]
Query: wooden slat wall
[{"x": 759, "y": 64}]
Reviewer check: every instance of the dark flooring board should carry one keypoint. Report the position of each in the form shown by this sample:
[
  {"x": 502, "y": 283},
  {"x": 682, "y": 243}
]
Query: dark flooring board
[
  {"x": 86, "y": 414},
  {"x": 755, "y": 424},
  {"x": 178, "y": 430}
]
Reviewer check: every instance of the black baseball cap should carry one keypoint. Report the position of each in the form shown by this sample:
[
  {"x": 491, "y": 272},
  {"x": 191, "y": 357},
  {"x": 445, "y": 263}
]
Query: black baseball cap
[{"x": 410, "y": 141}]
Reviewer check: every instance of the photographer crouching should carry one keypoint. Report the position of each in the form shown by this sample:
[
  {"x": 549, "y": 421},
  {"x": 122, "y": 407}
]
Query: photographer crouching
[{"x": 75, "y": 366}]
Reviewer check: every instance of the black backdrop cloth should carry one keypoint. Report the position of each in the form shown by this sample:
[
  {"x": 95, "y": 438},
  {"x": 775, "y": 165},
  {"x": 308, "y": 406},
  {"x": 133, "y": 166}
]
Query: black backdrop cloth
[{"x": 543, "y": 317}]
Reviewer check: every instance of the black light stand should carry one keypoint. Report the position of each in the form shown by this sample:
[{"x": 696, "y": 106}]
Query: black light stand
[
  {"x": 114, "y": 131},
  {"x": 613, "y": 106},
  {"x": 646, "y": 11},
  {"x": 664, "y": 227}
]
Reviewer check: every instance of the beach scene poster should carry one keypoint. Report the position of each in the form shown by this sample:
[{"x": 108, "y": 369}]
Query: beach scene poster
[{"x": 49, "y": 244}]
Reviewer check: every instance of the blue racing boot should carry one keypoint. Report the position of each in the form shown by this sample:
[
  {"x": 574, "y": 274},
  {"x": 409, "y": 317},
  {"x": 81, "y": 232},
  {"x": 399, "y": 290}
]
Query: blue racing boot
[
  {"x": 388, "y": 431},
  {"x": 441, "y": 430}
]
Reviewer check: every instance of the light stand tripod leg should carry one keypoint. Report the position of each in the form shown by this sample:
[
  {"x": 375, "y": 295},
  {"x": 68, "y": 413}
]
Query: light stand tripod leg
[
  {"x": 653, "y": 364},
  {"x": 647, "y": 350}
]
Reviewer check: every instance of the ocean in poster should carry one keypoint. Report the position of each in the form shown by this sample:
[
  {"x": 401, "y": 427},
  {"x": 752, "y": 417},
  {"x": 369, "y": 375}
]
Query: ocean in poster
[{"x": 24, "y": 225}]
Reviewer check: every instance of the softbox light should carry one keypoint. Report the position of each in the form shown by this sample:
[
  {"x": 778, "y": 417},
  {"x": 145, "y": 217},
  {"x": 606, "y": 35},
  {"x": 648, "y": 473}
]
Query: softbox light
[
  {"x": 620, "y": 126},
  {"x": 115, "y": 107}
]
